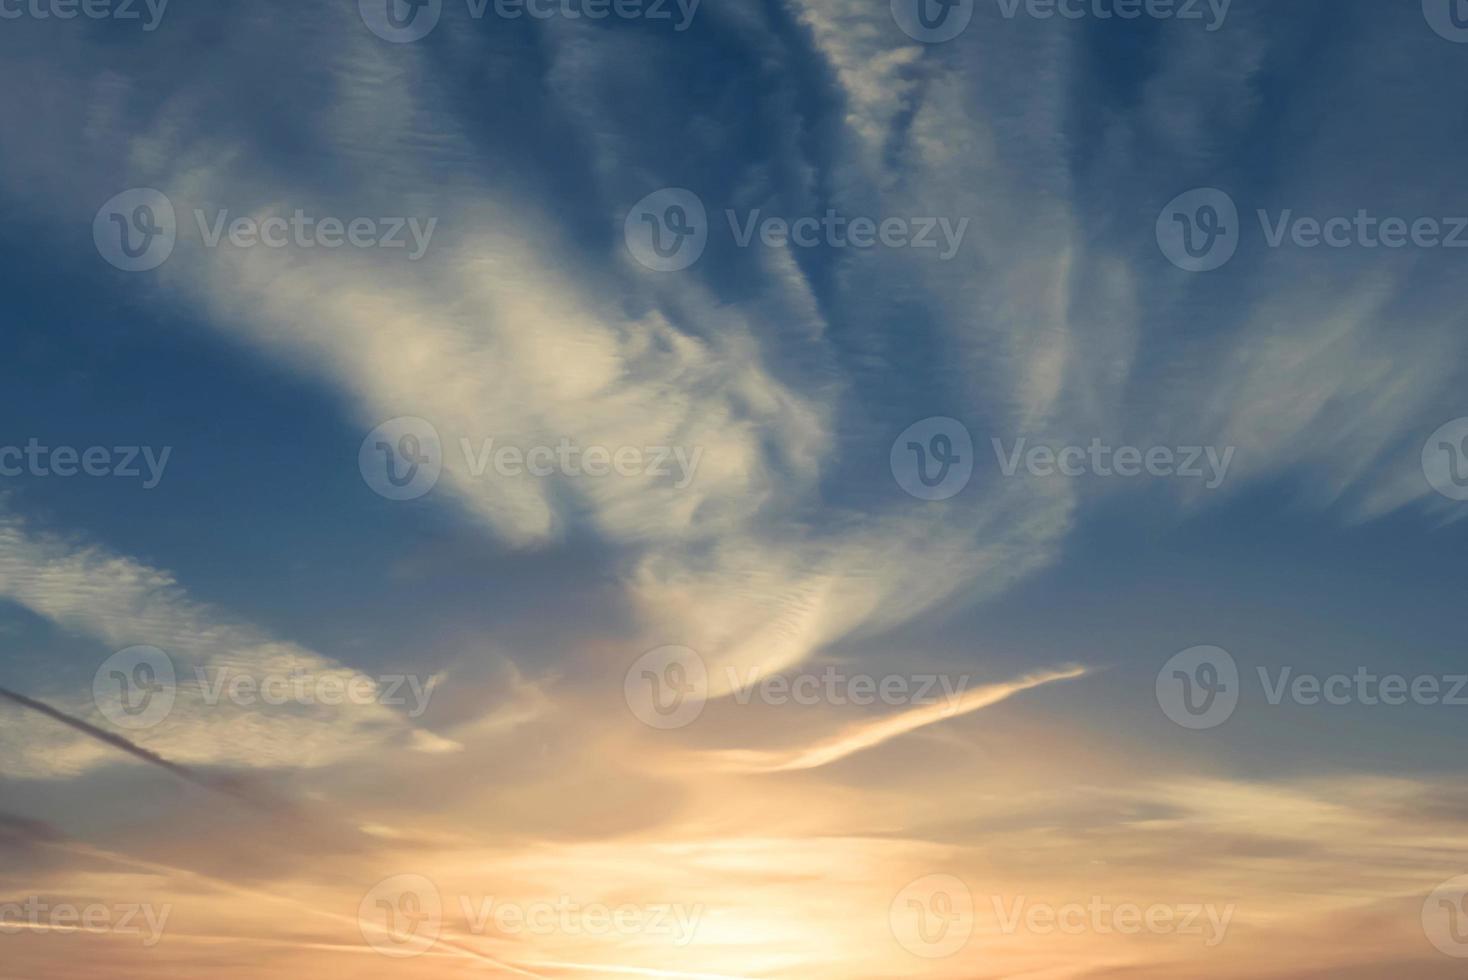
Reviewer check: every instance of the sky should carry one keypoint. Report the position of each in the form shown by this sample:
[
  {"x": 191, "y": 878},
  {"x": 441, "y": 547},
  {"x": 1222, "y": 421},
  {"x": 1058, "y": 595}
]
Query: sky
[{"x": 962, "y": 489}]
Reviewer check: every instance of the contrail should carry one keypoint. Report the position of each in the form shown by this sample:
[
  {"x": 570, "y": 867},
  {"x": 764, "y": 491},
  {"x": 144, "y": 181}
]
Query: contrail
[
  {"x": 133, "y": 749},
  {"x": 449, "y": 947},
  {"x": 865, "y": 735}
]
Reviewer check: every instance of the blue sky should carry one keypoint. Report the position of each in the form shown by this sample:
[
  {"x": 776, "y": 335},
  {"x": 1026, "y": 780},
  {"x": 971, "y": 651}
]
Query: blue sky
[{"x": 535, "y": 146}]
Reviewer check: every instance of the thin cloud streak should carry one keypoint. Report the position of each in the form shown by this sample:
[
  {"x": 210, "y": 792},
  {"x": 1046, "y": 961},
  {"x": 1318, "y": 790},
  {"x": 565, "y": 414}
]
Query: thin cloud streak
[
  {"x": 858, "y": 738},
  {"x": 637, "y": 971}
]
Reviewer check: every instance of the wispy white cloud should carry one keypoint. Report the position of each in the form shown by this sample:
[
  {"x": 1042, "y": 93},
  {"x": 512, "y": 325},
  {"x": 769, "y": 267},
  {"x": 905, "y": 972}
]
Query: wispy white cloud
[{"x": 120, "y": 603}]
